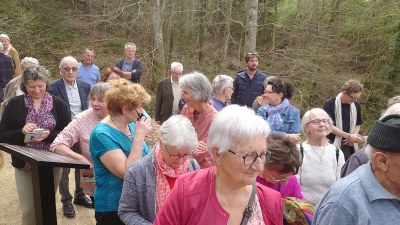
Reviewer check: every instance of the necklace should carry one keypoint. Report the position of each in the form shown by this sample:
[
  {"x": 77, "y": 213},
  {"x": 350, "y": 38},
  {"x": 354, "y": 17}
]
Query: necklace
[
  {"x": 130, "y": 139},
  {"x": 238, "y": 208},
  {"x": 320, "y": 156}
]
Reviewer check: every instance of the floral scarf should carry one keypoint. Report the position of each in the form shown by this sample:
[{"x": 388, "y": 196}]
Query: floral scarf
[
  {"x": 43, "y": 118},
  {"x": 274, "y": 114},
  {"x": 162, "y": 171}
]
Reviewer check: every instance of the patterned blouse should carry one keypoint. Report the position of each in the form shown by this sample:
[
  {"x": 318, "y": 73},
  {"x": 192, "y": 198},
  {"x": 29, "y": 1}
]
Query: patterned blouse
[
  {"x": 43, "y": 118},
  {"x": 79, "y": 130}
]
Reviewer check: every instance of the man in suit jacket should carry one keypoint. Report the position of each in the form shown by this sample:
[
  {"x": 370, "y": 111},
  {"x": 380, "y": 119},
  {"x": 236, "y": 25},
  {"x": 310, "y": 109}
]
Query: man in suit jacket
[
  {"x": 75, "y": 93},
  {"x": 168, "y": 94}
]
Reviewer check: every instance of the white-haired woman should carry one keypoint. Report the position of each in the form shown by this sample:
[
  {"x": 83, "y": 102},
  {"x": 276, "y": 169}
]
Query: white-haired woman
[
  {"x": 322, "y": 161},
  {"x": 196, "y": 91},
  {"x": 221, "y": 194},
  {"x": 148, "y": 181}
]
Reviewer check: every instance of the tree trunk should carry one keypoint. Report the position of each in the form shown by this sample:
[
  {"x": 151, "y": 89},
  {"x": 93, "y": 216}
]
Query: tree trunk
[
  {"x": 158, "y": 44},
  {"x": 202, "y": 29},
  {"x": 227, "y": 32},
  {"x": 88, "y": 6},
  {"x": 251, "y": 25}
]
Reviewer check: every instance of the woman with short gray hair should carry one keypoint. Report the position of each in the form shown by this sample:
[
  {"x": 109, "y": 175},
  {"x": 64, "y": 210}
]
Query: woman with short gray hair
[
  {"x": 196, "y": 91},
  {"x": 221, "y": 194},
  {"x": 148, "y": 181}
]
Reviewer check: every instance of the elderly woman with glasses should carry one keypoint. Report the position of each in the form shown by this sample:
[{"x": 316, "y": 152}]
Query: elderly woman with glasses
[
  {"x": 322, "y": 161},
  {"x": 148, "y": 181},
  {"x": 281, "y": 116},
  {"x": 115, "y": 143},
  {"x": 227, "y": 193},
  {"x": 196, "y": 91},
  {"x": 279, "y": 169},
  {"x": 35, "y": 111}
]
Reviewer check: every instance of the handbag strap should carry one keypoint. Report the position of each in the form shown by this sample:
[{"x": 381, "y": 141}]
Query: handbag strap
[{"x": 249, "y": 208}]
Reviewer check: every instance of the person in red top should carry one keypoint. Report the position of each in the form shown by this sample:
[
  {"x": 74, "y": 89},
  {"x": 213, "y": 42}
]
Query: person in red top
[
  {"x": 197, "y": 91},
  {"x": 222, "y": 194}
]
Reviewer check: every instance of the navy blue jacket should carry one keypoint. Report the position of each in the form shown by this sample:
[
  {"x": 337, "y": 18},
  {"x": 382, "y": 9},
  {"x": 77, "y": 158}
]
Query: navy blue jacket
[
  {"x": 246, "y": 90},
  {"x": 137, "y": 65},
  {"x": 57, "y": 88}
]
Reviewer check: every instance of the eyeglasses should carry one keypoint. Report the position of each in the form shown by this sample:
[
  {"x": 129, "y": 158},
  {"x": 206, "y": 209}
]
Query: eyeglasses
[
  {"x": 352, "y": 98},
  {"x": 269, "y": 92},
  {"x": 67, "y": 69},
  {"x": 250, "y": 158},
  {"x": 318, "y": 121},
  {"x": 177, "y": 156},
  {"x": 281, "y": 180},
  {"x": 140, "y": 115}
]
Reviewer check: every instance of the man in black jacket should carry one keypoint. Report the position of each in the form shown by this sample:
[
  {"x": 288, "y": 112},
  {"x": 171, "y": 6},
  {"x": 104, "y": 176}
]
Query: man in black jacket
[
  {"x": 249, "y": 83},
  {"x": 131, "y": 67},
  {"x": 168, "y": 94}
]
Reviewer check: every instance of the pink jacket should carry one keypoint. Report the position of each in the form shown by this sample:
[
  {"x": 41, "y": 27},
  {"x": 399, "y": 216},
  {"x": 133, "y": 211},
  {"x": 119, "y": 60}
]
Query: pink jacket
[{"x": 193, "y": 201}]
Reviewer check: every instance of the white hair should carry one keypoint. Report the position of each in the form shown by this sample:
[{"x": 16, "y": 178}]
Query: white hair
[
  {"x": 29, "y": 61},
  {"x": 1, "y": 47},
  {"x": 393, "y": 109},
  {"x": 221, "y": 82},
  {"x": 4, "y": 36},
  {"x": 179, "y": 132},
  {"x": 198, "y": 84},
  {"x": 176, "y": 65},
  {"x": 67, "y": 58},
  {"x": 234, "y": 126},
  {"x": 130, "y": 44},
  {"x": 309, "y": 115}
]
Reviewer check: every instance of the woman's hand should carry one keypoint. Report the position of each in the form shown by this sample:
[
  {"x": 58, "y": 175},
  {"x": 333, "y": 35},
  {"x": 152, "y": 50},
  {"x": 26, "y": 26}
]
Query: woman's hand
[
  {"x": 43, "y": 136},
  {"x": 143, "y": 127},
  {"x": 28, "y": 128},
  {"x": 201, "y": 148}
]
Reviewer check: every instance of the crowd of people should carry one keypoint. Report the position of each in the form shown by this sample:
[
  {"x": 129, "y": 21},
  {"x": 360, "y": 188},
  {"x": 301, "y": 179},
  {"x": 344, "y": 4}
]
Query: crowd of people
[{"x": 229, "y": 151}]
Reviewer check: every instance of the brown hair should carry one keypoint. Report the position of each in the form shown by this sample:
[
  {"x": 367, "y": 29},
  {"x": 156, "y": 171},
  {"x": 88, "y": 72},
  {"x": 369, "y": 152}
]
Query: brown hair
[
  {"x": 285, "y": 155},
  {"x": 124, "y": 93},
  {"x": 108, "y": 72},
  {"x": 352, "y": 86}
]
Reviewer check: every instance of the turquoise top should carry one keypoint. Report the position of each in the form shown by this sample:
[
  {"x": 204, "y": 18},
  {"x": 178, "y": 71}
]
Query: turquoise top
[{"x": 105, "y": 138}]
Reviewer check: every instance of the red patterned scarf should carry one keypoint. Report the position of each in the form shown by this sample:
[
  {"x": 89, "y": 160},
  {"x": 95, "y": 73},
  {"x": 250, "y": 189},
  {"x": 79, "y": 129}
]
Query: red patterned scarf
[{"x": 163, "y": 170}]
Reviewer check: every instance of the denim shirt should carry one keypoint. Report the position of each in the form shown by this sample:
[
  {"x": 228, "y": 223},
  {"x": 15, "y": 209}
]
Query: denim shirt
[{"x": 290, "y": 117}]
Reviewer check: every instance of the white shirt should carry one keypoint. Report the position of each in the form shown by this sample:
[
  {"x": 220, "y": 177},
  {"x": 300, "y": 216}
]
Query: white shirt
[{"x": 73, "y": 98}]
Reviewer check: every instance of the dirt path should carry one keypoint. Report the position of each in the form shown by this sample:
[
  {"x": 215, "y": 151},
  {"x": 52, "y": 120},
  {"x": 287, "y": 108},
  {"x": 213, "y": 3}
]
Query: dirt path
[{"x": 10, "y": 213}]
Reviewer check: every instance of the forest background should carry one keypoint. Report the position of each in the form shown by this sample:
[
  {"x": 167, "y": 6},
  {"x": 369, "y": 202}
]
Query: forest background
[{"x": 314, "y": 44}]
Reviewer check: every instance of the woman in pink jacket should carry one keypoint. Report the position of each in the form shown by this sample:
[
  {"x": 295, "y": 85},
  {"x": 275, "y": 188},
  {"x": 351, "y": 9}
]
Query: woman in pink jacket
[{"x": 227, "y": 193}]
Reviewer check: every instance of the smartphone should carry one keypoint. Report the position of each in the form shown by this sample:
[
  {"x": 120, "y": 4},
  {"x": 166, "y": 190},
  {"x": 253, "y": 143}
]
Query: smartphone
[{"x": 36, "y": 133}]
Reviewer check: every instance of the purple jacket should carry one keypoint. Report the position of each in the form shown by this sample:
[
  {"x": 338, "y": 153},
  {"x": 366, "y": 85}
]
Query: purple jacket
[{"x": 291, "y": 189}]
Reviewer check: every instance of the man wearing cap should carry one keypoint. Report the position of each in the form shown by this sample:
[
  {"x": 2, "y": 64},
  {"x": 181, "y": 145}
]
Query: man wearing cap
[{"x": 371, "y": 194}]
